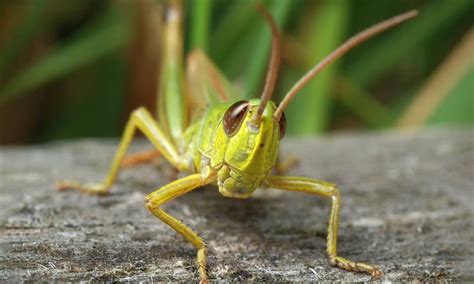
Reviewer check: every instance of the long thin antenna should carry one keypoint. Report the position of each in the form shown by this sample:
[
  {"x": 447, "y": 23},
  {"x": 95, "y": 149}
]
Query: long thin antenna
[
  {"x": 341, "y": 50},
  {"x": 273, "y": 66}
]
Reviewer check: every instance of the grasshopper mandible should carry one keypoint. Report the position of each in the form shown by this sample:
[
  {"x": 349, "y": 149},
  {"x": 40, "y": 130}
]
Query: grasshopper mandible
[{"x": 205, "y": 130}]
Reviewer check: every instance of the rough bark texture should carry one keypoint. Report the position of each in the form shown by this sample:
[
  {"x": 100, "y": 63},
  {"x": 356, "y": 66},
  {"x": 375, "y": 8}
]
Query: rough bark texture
[{"x": 406, "y": 207}]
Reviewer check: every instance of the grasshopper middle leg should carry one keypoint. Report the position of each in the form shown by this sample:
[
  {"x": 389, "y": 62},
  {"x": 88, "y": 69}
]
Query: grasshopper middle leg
[
  {"x": 142, "y": 120},
  {"x": 283, "y": 165},
  {"x": 317, "y": 187}
]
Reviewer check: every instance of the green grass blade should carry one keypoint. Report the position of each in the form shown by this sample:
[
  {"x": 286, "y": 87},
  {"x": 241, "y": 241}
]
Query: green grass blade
[
  {"x": 258, "y": 59},
  {"x": 373, "y": 113},
  {"x": 109, "y": 35},
  {"x": 98, "y": 103},
  {"x": 231, "y": 27},
  {"x": 440, "y": 84},
  {"x": 458, "y": 106},
  {"x": 310, "y": 110},
  {"x": 381, "y": 57},
  {"x": 200, "y": 21}
]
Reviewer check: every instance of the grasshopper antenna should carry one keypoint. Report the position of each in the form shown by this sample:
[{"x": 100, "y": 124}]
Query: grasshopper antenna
[
  {"x": 273, "y": 66},
  {"x": 341, "y": 50}
]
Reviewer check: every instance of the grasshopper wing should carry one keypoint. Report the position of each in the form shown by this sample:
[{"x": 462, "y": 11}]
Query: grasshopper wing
[{"x": 206, "y": 85}]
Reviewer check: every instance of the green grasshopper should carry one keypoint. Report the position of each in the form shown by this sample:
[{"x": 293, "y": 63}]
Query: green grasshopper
[{"x": 204, "y": 129}]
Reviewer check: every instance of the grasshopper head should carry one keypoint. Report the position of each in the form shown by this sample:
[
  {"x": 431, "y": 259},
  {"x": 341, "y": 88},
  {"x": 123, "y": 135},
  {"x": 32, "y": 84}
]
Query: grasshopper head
[
  {"x": 251, "y": 150},
  {"x": 254, "y": 128},
  {"x": 253, "y": 132}
]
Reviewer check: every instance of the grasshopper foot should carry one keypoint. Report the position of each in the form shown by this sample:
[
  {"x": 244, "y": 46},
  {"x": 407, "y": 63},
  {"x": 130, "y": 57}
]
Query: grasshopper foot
[
  {"x": 356, "y": 267},
  {"x": 93, "y": 189}
]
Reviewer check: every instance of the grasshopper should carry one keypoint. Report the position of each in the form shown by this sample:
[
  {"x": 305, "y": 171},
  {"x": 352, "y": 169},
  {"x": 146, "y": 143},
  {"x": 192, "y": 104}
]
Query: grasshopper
[{"x": 204, "y": 129}]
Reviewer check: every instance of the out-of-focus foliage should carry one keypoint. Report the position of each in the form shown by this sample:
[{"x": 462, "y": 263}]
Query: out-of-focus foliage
[{"x": 77, "y": 68}]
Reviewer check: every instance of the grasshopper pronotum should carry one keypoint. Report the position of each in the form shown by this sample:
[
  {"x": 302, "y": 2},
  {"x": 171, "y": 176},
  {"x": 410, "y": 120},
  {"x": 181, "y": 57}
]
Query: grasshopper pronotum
[{"x": 222, "y": 140}]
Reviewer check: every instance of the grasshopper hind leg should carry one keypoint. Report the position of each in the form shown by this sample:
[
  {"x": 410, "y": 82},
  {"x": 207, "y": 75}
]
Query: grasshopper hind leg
[
  {"x": 143, "y": 157},
  {"x": 140, "y": 119}
]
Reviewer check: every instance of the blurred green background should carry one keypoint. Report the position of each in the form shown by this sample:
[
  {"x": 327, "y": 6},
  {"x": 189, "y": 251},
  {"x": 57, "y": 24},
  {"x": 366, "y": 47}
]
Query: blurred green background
[{"x": 73, "y": 69}]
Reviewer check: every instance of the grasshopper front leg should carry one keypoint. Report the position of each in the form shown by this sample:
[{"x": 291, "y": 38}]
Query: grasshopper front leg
[
  {"x": 142, "y": 120},
  {"x": 170, "y": 191},
  {"x": 317, "y": 187}
]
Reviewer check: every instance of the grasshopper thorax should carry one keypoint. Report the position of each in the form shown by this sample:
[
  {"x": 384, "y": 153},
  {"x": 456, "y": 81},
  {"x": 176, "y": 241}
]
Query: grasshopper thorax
[{"x": 249, "y": 150}]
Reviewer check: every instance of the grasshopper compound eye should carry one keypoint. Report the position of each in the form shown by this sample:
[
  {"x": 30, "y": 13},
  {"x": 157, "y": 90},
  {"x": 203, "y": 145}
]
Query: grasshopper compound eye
[
  {"x": 282, "y": 124},
  {"x": 234, "y": 117}
]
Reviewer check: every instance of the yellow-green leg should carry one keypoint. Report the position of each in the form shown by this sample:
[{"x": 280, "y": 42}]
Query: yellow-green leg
[
  {"x": 142, "y": 120},
  {"x": 170, "y": 191},
  {"x": 282, "y": 166},
  {"x": 317, "y": 187}
]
